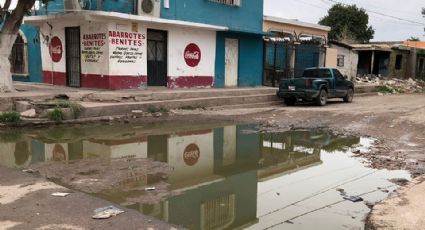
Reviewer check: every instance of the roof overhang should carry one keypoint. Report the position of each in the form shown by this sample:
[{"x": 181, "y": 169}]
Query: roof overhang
[
  {"x": 296, "y": 23},
  {"x": 102, "y": 16}
]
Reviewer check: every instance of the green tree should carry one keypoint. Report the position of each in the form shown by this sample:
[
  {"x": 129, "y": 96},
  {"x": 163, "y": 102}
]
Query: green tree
[
  {"x": 413, "y": 39},
  {"x": 348, "y": 23},
  {"x": 11, "y": 20}
]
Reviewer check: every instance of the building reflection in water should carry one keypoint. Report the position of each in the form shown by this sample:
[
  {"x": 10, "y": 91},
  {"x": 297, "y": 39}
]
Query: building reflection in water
[{"x": 213, "y": 184}]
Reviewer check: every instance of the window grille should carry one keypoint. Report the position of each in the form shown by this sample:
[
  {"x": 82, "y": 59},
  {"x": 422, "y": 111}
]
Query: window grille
[
  {"x": 228, "y": 2},
  {"x": 18, "y": 57}
]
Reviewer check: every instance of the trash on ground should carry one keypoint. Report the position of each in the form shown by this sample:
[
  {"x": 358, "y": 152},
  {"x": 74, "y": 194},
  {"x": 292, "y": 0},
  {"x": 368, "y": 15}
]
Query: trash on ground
[
  {"x": 28, "y": 171},
  {"x": 61, "y": 194},
  {"x": 106, "y": 212},
  {"x": 150, "y": 188},
  {"x": 353, "y": 198}
]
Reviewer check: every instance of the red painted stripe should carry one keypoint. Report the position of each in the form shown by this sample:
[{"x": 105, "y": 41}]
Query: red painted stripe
[
  {"x": 95, "y": 81},
  {"x": 191, "y": 81},
  {"x": 126, "y": 82},
  {"x": 54, "y": 78},
  {"x": 116, "y": 82}
]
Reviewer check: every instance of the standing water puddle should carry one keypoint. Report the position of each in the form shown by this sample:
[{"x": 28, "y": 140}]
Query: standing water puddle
[{"x": 209, "y": 177}]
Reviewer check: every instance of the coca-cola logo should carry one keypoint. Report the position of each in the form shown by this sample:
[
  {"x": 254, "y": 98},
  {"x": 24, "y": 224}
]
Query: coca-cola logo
[
  {"x": 192, "y": 55},
  {"x": 55, "y": 49},
  {"x": 191, "y": 154}
]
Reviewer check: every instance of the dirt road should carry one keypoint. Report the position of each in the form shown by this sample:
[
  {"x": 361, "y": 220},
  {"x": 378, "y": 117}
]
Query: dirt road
[{"x": 397, "y": 121}]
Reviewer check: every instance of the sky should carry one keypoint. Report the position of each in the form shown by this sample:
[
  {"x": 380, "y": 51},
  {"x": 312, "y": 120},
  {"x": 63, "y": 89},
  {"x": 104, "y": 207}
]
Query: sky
[{"x": 386, "y": 28}]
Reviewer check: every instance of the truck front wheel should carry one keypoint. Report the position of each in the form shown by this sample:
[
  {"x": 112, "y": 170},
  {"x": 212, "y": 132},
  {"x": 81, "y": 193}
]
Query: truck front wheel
[
  {"x": 322, "y": 99},
  {"x": 350, "y": 95}
]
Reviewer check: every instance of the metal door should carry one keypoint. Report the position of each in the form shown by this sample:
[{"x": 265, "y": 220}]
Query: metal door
[
  {"x": 73, "y": 58},
  {"x": 157, "y": 58},
  {"x": 231, "y": 62}
]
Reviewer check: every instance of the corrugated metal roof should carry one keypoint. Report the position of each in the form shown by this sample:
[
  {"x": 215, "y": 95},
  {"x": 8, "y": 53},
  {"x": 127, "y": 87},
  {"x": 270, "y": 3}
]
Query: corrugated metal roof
[{"x": 296, "y": 23}]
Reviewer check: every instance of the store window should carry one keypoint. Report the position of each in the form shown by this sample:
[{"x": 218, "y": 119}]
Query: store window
[{"x": 18, "y": 57}]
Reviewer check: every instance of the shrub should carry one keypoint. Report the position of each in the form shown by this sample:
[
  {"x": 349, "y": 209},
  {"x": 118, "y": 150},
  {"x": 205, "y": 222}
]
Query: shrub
[
  {"x": 56, "y": 115},
  {"x": 153, "y": 109},
  {"x": 75, "y": 108},
  {"x": 10, "y": 117}
]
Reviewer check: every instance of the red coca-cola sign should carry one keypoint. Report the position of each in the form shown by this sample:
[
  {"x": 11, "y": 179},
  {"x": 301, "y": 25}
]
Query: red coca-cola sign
[
  {"x": 191, "y": 154},
  {"x": 55, "y": 49},
  {"x": 192, "y": 55}
]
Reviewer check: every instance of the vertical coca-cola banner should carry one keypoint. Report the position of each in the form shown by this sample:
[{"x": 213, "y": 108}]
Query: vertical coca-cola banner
[
  {"x": 55, "y": 49},
  {"x": 192, "y": 55}
]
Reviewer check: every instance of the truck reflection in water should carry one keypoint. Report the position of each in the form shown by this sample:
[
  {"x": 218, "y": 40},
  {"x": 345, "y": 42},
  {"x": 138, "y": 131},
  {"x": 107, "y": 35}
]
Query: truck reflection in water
[{"x": 213, "y": 173}]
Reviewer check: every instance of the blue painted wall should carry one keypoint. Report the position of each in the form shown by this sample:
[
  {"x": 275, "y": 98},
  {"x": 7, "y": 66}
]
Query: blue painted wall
[
  {"x": 34, "y": 54},
  {"x": 246, "y": 18},
  {"x": 122, "y": 6},
  {"x": 250, "y": 59}
]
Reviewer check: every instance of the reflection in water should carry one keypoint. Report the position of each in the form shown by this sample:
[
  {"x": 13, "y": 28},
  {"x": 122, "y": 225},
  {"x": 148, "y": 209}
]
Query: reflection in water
[{"x": 204, "y": 178}]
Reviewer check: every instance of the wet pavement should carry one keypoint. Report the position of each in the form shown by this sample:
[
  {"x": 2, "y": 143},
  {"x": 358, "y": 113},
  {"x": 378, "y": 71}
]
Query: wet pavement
[{"x": 210, "y": 176}]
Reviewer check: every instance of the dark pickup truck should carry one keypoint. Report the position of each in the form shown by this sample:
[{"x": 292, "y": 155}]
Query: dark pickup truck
[{"x": 316, "y": 84}]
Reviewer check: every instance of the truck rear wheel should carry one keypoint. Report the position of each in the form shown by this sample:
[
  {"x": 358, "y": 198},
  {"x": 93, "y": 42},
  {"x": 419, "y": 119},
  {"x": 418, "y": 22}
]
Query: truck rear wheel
[
  {"x": 322, "y": 99},
  {"x": 290, "y": 101}
]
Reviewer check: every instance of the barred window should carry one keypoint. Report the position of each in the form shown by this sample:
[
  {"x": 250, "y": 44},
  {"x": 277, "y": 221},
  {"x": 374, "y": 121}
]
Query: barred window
[
  {"x": 341, "y": 60},
  {"x": 18, "y": 57},
  {"x": 228, "y": 2}
]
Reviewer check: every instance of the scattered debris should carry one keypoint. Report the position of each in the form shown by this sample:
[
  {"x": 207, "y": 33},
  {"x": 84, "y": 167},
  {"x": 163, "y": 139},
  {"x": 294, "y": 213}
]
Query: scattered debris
[
  {"x": 400, "y": 181},
  {"x": 393, "y": 85},
  {"x": 150, "y": 188},
  {"x": 354, "y": 199},
  {"x": 106, "y": 212},
  {"x": 29, "y": 171},
  {"x": 61, "y": 194}
]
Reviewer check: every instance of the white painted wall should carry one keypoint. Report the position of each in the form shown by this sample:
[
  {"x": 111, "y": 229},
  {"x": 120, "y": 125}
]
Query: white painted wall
[
  {"x": 139, "y": 66},
  {"x": 128, "y": 150},
  {"x": 205, "y": 165},
  {"x": 94, "y": 56},
  {"x": 46, "y": 34},
  {"x": 179, "y": 38}
]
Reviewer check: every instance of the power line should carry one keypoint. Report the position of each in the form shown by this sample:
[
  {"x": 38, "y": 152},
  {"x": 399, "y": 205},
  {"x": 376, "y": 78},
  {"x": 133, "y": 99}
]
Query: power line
[{"x": 381, "y": 14}]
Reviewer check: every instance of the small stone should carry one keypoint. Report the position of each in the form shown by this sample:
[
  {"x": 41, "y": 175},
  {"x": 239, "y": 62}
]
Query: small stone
[
  {"x": 137, "y": 112},
  {"x": 29, "y": 113}
]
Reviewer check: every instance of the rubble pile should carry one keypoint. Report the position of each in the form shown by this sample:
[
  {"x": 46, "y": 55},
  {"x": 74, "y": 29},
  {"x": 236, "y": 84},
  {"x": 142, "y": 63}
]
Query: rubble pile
[{"x": 393, "y": 85}]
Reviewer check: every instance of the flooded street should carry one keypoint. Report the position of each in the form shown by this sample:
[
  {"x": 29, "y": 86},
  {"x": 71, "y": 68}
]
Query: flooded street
[{"x": 210, "y": 176}]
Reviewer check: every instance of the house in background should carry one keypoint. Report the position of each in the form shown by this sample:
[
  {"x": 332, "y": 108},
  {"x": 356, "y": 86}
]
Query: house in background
[
  {"x": 291, "y": 46},
  {"x": 342, "y": 56},
  {"x": 391, "y": 59},
  {"x": 418, "y": 48},
  {"x": 123, "y": 44}
]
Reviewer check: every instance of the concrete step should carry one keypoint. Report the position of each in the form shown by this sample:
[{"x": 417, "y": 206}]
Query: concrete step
[
  {"x": 96, "y": 109},
  {"x": 163, "y": 95}
]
